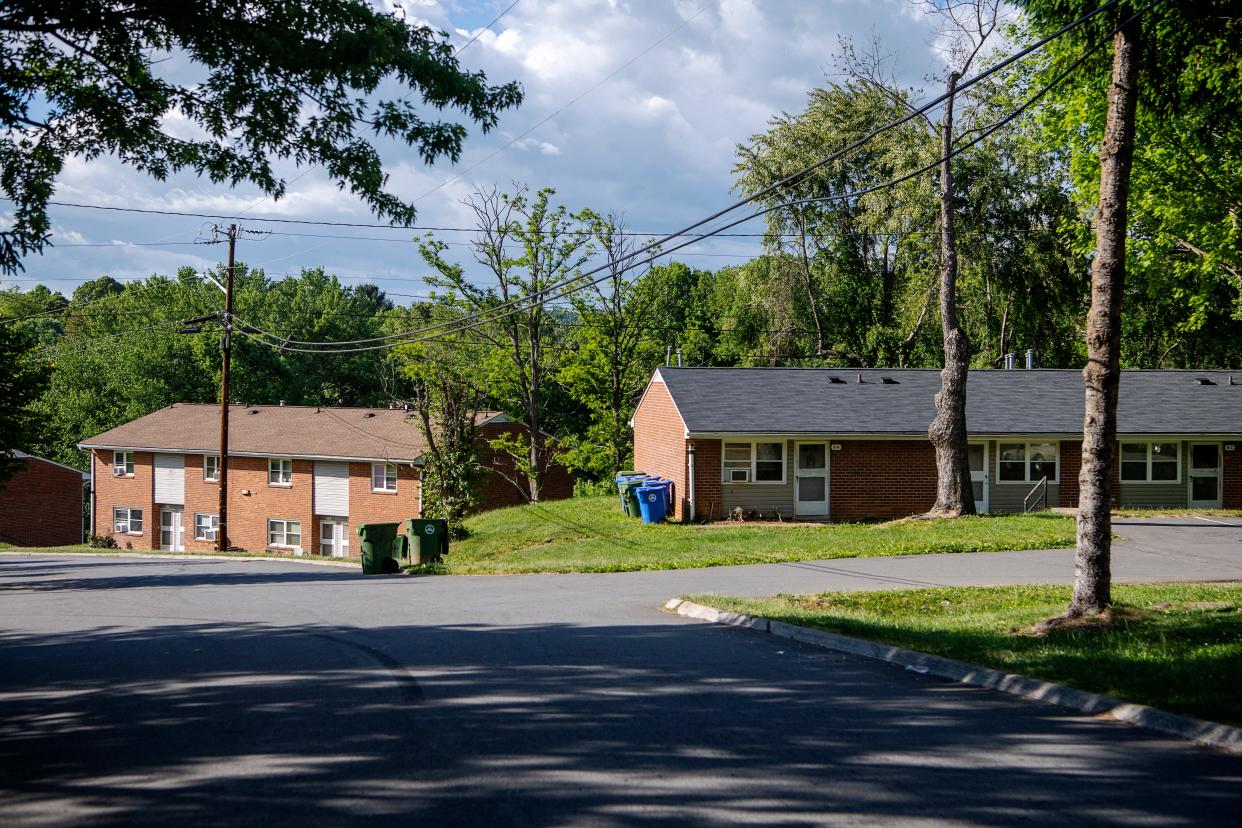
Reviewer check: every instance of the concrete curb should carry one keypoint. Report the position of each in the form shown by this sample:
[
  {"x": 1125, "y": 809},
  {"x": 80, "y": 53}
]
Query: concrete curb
[
  {"x": 1199, "y": 731},
  {"x": 183, "y": 557}
]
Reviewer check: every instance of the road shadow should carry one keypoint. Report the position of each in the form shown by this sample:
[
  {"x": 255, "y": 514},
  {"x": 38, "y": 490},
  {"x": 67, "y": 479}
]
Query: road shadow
[{"x": 472, "y": 724}]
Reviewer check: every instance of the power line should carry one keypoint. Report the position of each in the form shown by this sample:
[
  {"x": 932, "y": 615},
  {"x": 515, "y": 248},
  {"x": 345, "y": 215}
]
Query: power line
[
  {"x": 571, "y": 102},
  {"x": 565, "y": 285},
  {"x": 495, "y": 20}
]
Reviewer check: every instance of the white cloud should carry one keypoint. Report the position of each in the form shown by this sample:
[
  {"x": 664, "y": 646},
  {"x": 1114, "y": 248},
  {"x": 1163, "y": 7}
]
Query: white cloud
[{"x": 655, "y": 142}]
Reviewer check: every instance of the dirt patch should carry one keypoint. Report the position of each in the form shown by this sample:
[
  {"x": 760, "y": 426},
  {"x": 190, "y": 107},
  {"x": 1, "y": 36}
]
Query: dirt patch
[{"x": 1110, "y": 618}]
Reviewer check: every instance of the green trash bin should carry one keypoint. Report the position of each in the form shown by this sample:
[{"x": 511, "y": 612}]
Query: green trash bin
[
  {"x": 379, "y": 548},
  {"x": 429, "y": 539},
  {"x": 629, "y": 494}
]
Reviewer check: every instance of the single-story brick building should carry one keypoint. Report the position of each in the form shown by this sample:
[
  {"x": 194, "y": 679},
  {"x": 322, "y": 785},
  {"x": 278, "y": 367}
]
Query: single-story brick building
[
  {"x": 845, "y": 444},
  {"x": 41, "y": 505},
  {"x": 300, "y": 477}
]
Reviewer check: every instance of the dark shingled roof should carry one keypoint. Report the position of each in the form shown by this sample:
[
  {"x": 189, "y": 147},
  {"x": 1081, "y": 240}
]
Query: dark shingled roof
[
  {"x": 277, "y": 430},
  {"x": 1041, "y": 401}
]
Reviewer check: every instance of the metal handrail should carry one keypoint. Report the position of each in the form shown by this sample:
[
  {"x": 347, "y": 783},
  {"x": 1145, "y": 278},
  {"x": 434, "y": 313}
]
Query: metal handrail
[{"x": 1041, "y": 487}]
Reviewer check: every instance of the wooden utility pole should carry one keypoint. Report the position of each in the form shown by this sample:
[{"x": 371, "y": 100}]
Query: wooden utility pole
[{"x": 222, "y": 533}]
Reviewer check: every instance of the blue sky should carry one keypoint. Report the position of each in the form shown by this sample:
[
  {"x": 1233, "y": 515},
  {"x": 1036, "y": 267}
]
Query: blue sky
[{"x": 654, "y": 142}]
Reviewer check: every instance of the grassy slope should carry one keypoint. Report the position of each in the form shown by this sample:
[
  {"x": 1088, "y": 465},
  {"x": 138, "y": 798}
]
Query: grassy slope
[
  {"x": 591, "y": 535},
  {"x": 1175, "y": 646}
]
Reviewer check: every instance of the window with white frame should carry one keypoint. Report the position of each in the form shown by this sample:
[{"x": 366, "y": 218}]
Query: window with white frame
[
  {"x": 284, "y": 533},
  {"x": 753, "y": 462},
  {"x": 1027, "y": 462},
  {"x": 279, "y": 472},
  {"x": 211, "y": 468},
  {"x": 383, "y": 477},
  {"x": 206, "y": 527},
  {"x": 127, "y": 520},
  {"x": 1151, "y": 462},
  {"x": 122, "y": 464}
]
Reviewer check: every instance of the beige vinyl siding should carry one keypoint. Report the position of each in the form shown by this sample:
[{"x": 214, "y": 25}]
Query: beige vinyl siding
[
  {"x": 763, "y": 497},
  {"x": 1153, "y": 494},
  {"x": 1164, "y": 493},
  {"x": 1006, "y": 498}
]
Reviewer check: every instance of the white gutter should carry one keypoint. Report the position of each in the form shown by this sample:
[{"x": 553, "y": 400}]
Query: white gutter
[{"x": 91, "y": 505}]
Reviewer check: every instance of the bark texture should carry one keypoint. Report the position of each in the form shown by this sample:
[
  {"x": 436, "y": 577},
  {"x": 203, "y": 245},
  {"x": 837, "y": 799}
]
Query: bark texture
[
  {"x": 1102, "y": 374},
  {"x": 947, "y": 432}
]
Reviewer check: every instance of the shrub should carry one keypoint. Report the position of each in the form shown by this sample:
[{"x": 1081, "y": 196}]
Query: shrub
[{"x": 102, "y": 542}]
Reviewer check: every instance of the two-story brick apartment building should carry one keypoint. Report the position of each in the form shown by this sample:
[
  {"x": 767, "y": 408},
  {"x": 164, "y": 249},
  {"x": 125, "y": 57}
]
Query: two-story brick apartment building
[{"x": 300, "y": 477}]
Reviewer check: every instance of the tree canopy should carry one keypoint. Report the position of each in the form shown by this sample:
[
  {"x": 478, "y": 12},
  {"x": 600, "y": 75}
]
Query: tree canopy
[{"x": 319, "y": 82}]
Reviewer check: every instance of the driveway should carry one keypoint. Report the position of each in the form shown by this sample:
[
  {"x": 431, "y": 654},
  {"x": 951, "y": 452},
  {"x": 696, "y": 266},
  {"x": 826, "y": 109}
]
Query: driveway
[{"x": 149, "y": 691}]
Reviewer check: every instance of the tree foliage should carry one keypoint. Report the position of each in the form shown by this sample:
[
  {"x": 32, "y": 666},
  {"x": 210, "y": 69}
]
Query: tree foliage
[
  {"x": 22, "y": 379},
  {"x": 319, "y": 83}
]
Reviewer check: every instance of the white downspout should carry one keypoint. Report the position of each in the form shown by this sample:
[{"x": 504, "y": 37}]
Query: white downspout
[
  {"x": 690, "y": 483},
  {"x": 91, "y": 506},
  {"x": 420, "y": 494}
]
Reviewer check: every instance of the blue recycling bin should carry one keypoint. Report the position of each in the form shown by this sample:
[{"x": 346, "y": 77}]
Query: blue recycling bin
[
  {"x": 667, "y": 486},
  {"x": 653, "y": 503}
]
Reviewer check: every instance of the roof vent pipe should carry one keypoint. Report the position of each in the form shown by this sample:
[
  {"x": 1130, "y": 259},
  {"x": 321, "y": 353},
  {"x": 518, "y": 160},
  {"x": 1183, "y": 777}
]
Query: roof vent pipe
[
  {"x": 1030, "y": 358},
  {"x": 668, "y": 355},
  {"x": 1009, "y": 362},
  {"x": 679, "y": 357},
  {"x": 282, "y": 403}
]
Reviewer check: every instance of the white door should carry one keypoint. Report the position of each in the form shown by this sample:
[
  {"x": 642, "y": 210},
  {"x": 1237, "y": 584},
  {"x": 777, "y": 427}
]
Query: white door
[
  {"x": 334, "y": 538},
  {"x": 811, "y": 479},
  {"x": 1205, "y": 467},
  {"x": 172, "y": 532},
  {"x": 978, "y": 453}
]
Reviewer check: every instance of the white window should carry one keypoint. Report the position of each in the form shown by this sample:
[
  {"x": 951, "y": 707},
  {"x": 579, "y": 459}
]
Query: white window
[
  {"x": 757, "y": 462},
  {"x": 1151, "y": 462},
  {"x": 383, "y": 477},
  {"x": 211, "y": 468},
  {"x": 122, "y": 464},
  {"x": 206, "y": 527},
  {"x": 127, "y": 520},
  {"x": 284, "y": 533},
  {"x": 1028, "y": 462},
  {"x": 279, "y": 472}
]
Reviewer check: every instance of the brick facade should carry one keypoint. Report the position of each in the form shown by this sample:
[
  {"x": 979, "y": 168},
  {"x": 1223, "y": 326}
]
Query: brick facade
[
  {"x": 708, "y": 494},
  {"x": 660, "y": 448},
  {"x": 498, "y": 491},
  {"x": 42, "y": 505},
  {"x": 871, "y": 479},
  {"x": 135, "y": 491},
  {"x": 1231, "y": 494}
]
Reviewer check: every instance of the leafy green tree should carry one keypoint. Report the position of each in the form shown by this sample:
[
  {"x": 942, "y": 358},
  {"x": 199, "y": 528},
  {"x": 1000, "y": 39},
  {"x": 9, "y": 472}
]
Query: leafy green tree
[
  {"x": 611, "y": 355},
  {"x": 1175, "y": 64},
  {"x": 443, "y": 382},
  {"x": 259, "y": 81},
  {"x": 22, "y": 379},
  {"x": 525, "y": 246}
]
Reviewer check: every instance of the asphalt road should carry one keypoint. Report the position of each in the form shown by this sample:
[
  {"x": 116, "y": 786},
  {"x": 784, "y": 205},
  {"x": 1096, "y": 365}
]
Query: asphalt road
[{"x": 138, "y": 691}]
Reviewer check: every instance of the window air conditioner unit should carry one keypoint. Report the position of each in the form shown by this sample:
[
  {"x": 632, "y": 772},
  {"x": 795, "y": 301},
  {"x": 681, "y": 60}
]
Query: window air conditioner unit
[
  {"x": 739, "y": 475},
  {"x": 118, "y": 472}
]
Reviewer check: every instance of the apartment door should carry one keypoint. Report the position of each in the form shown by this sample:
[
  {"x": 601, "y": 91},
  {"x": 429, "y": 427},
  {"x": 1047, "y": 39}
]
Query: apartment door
[
  {"x": 811, "y": 479},
  {"x": 1205, "y": 468},
  {"x": 172, "y": 530},
  {"x": 978, "y": 453},
  {"x": 334, "y": 537}
]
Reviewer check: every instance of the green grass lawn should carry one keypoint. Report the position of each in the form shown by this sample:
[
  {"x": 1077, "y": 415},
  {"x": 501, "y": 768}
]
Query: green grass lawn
[
  {"x": 1177, "y": 647},
  {"x": 589, "y": 534}
]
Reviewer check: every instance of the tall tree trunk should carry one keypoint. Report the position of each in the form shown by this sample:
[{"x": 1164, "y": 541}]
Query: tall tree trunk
[
  {"x": 1102, "y": 374},
  {"x": 947, "y": 432}
]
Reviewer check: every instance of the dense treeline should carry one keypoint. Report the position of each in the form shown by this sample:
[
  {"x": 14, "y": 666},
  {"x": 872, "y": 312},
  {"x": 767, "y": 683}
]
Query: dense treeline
[{"x": 843, "y": 281}]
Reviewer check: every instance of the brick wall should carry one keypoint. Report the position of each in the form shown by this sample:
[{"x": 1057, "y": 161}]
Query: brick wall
[
  {"x": 42, "y": 506},
  {"x": 499, "y": 492},
  {"x": 881, "y": 479},
  {"x": 367, "y": 506},
  {"x": 201, "y": 497},
  {"x": 249, "y": 513},
  {"x": 1231, "y": 482},
  {"x": 134, "y": 492},
  {"x": 660, "y": 446},
  {"x": 1071, "y": 467},
  {"x": 708, "y": 495}
]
